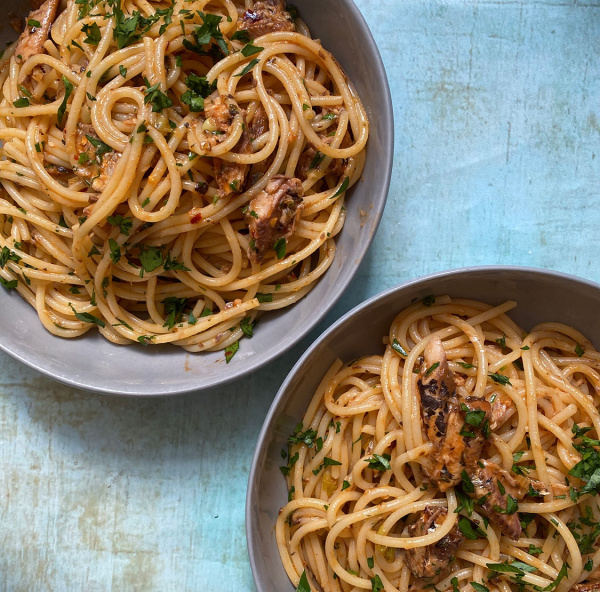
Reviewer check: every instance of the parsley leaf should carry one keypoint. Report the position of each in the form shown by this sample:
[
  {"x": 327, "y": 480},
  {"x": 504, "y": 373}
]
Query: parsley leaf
[
  {"x": 86, "y": 317},
  {"x": 124, "y": 224},
  {"x": 326, "y": 463},
  {"x": 511, "y": 506},
  {"x": 303, "y": 583},
  {"x": 241, "y": 36},
  {"x": 198, "y": 89},
  {"x": 588, "y": 468},
  {"x": 248, "y": 67},
  {"x": 432, "y": 368},
  {"x": 474, "y": 418},
  {"x": 93, "y": 34},
  {"x": 247, "y": 326},
  {"x": 150, "y": 257},
  {"x": 101, "y": 147},
  {"x": 397, "y": 347},
  {"x": 9, "y": 284},
  {"x": 250, "y": 49},
  {"x": 380, "y": 462},
  {"x": 231, "y": 350},
  {"x": 115, "y": 250},
  {"x": 342, "y": 188},
  {"x": 174, "y": 308},
  {"x": 307, "y": 437},
  {"x": 500, "y": 379},
  {"x": 469, "y": 530},
  {"x": 63, "y": 106},
  {"x": 7, "y": 255},
  {"x": 155, "y": 96},
  {"x": 280, "y": 247}
]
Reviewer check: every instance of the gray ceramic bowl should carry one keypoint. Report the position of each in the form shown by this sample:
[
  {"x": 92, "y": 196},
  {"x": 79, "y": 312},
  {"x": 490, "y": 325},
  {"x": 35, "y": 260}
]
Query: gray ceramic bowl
[
  {"x": 541, "y": 296},
  {"x": 93, "y": 363}
]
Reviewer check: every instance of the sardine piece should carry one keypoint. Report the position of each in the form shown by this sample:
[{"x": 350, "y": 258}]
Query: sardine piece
[
  {"x": 273, "y": 214},
  {"x": 456, "y": 429},
  {"x": 31, "y": 42},
  {"x": 492, "y": 486},
  {"x": 267, "y": 16},
  {"x": 432, "y": 560}
]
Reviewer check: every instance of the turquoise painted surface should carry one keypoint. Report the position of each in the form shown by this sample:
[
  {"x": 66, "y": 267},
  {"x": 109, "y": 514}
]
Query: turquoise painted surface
[{"x": 497, "y": 109}]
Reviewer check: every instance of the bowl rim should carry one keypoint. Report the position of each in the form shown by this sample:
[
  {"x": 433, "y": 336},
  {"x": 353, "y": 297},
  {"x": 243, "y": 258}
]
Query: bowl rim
[
  {"x": 385, "y": 110},
  {"x": 280, "y": 398}
]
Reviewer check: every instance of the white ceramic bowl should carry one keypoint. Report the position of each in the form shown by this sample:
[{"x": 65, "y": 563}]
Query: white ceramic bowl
[
  {"x": 93, "y": 363},
  {"x": 541, "y": 296}
]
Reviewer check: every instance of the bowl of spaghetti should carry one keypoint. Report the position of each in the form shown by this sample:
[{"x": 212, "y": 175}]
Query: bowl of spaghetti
[
  {"x": 172, "y": 173},
  {"x": 442, "y": 435}
]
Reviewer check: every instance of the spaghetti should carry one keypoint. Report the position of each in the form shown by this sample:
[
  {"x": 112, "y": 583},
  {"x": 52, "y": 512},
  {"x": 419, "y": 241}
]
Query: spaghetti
[
  {"x": 171, "y": 169},
  {"x": 463, "y": 458}
]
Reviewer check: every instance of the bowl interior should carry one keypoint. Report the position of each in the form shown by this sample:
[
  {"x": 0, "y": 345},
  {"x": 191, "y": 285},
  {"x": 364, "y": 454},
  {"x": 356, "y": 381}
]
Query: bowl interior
[
  {"x": 541, "y": 296},
  {"x": 93, "y": 363}
]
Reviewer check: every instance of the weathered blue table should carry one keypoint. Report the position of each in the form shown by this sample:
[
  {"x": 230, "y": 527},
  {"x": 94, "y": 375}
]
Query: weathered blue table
[{"x": 497, "y": 107}]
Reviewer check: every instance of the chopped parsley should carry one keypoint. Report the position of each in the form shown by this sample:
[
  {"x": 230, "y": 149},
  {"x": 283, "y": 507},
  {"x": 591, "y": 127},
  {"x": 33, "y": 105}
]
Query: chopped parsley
[
  {"x": 308, "y": 437},
  {"x": 588, "y": 468},
  {"x": 151, "y": 258},
  {"x": 86, "y": 317},
  {"x": 376, "y": 584},
  {"x": 397, "y": 347},
  {"x": 500, "y": 379},
  {"x": 247, "y": 326},
  {"x": 155, "y": 96},
  {"x": 250, "y": 49},
  {"x": 9, "y": 284},
  {"x": 432, "y": 368},
  {"x": 579, "y": 350},
  {"x": 474, "y": 418},
  {"x": 231, "y": 350},
  {"x": 241, "y": 36},
  {"x": 280, "y": 247},
  {"x": 471, "y": 531},
  {"x": 316, "y": 161},
  {"x": 428, "y": 300},
  {"x": 174, "y": 308},
  {"x": 511, "y": 505},
  {"x": 124, "y": 224},
  {"x": 327, "y": 462},
  {"x": 93, "y": 34},
  {"x": 198, "y": 89},
  {"x": 115, "y": 250},
  {"x": 63, "y": 106},
  {"x": 101, "y": 147},
  {"x": 342, "y": 188},
  {"x": 248, "y": 67},
  {"x": 379, "y": 462},
  {"x": 303, "y": 583},
  {"x": 467, "y": 484},
  {"x": 7, "y": 255}
]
